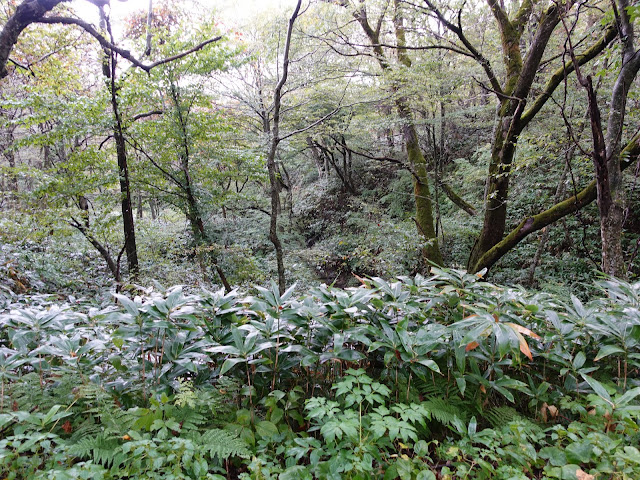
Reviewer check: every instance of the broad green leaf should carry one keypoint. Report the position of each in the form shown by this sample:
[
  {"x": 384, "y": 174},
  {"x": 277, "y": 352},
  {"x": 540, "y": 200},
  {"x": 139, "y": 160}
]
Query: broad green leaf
[
  {"x": 266, "y": 429},
  {"x": 606, "y": 351}
]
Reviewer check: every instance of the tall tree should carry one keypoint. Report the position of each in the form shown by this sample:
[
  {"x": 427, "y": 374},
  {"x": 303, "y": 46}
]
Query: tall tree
[
  {"x": 607, "y": 145},
  {"x": 518, "y": 104},
  {"x": 422, "y": 196},
  {"x": 275, "y": 139},
  {"x": 109, "y": 70}
]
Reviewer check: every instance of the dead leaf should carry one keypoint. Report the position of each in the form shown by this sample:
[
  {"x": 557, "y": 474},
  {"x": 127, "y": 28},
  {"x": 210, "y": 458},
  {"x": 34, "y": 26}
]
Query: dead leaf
[
  {"x": 581, "y": 475},
  {"x": 523, "y": 330},
  {"x": 524, "y": 347},
  {"x": 471, "y": 345}
]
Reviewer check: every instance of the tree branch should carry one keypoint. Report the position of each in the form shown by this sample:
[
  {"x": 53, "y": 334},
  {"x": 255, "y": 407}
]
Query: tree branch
[
  {"x": 553, "y": 214},
  {"x": 126, "y": 54},
  {"x": 481, "y": 59},
  {"x": 557, "y": 77}
]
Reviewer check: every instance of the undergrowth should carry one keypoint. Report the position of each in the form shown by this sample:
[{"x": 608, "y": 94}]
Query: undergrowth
[{"x": 436, "y": 377}]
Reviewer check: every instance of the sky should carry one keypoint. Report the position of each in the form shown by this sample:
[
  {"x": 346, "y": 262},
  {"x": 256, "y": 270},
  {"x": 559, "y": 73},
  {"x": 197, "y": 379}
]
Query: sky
[{"x": 233, "y": 12}]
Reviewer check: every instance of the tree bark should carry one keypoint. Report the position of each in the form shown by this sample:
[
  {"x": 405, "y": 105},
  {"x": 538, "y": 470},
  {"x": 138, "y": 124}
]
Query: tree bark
[
  {"x": 28, "y": 12},
  {"x": 109, "y": 70},
  {"x": 422, "y": 196}
]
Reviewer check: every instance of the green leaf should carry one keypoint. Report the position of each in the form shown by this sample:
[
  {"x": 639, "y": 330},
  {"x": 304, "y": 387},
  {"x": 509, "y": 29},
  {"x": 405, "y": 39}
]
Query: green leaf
[
  {"x": 579, "y": 360},
  {"x": 627, "y": 397},
  {"x": 297, "y": 472},
  {"x": 421, "y": 448},
  {"x": 266, "y": 429},
  {"x": 430, "y": 364},
  {"x": 569, "y": 472},
  {"x": 128, "y": 305},
  {"x": 579, "y": 452},
  {"x": 632, "y": 454},
  {"x": 229, "y": 363},
  {"x": 598, "y": 388},
  {"x": 426, "y": 475},
  {"x": 555, "y": 455},
  {"x": 404, "y": 468},
  {"x": 606, "y": 351}
]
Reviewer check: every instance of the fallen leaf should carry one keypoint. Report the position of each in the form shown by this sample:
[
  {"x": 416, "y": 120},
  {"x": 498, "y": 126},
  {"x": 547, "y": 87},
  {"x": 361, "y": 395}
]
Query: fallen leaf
[{"x": 581, "y": 475}]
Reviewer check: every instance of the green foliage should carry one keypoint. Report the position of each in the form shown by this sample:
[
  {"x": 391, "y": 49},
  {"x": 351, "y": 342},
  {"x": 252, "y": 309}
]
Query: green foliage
[{"x": 391, "y": 379}]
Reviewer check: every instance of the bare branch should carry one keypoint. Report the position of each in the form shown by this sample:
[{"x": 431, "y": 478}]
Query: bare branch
[{"x": 120, "y": 51}]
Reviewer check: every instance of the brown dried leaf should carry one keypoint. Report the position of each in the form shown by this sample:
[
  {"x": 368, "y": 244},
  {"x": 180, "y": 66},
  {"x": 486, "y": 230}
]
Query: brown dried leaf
[{"x": 581, "y": 475}]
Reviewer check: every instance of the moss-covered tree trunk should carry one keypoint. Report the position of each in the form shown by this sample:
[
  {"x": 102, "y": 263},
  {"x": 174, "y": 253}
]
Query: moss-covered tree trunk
[{"x": 417, "y": 163}]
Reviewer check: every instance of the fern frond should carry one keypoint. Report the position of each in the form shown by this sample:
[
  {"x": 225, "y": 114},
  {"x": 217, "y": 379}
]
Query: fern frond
[
  {"x": 102, "y": 449},
  {"x": 498, "y": 417},
  {"x": 221, "y": 445},
  {"x": 88, "y": 428},
  {"x": 445, "y": 411}
]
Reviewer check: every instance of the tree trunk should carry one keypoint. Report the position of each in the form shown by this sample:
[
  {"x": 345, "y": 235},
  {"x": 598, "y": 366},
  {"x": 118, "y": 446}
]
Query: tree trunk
[
  {"x": 28, "y": 12},
  {"x": 529, "y": 225},
  {"x": 6, "y": 146},
  {"x": 193, "y": 211},
  {"x": 606, "y": 154},
  {"x": 422, "y": 196},
  {"x": 109, "y": 71},
  {"x": 272, "y": 168}
]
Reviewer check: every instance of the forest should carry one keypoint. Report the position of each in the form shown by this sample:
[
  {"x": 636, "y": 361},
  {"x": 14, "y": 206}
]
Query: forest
[{"x": 319, "y": 239}]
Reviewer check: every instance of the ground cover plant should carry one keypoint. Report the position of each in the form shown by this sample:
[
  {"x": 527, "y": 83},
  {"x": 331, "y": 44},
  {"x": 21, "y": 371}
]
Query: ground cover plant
[{"x": 437, "y": 377}]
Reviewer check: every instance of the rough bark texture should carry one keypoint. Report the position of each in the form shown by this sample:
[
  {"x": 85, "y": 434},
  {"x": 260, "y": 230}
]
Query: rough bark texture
[{"x": 28, "y": 12}]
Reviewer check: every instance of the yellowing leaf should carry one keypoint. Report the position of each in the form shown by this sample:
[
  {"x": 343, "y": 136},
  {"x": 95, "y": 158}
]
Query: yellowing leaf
[
  {"x": 524, "y": 330},
  {"x": 524, "y": 347}
]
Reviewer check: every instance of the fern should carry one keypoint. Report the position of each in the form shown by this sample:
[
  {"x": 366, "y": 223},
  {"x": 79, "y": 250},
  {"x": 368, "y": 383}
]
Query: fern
[
  {"x": 221, "y": 445},
  {"x": 88, "y": 428},
  {"x": 445, "y": 411},
  {"x": 498, "y": 417},
  {"x": 189, "y": 418},
  {"x": 102, "y": 449}
]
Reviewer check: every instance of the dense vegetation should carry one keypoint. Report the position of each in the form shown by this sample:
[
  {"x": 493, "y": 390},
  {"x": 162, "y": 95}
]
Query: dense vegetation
[
  {"x": 439, "y": 377},
  {"x": 340, "y": 189}
]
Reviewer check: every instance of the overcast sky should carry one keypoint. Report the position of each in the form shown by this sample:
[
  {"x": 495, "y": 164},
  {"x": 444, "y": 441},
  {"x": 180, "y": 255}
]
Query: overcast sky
[{"x": 233, "y": 12}]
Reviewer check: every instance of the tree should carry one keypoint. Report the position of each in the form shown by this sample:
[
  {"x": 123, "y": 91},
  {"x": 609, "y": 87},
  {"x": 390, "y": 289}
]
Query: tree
[
  {"x": 109, "y": 67},
  {"x": 418, "y": 166},
  {"x": 275, "y": 139},
  {"x": 180, "y": 133},
  {"x": 518, "y": 106},
  {"x": 607, "y": 146}
]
